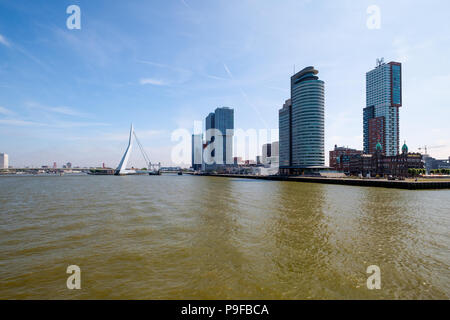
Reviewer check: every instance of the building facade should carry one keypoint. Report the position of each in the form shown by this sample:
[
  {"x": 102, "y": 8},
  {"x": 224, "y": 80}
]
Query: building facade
[
  {"x": 383, "y": 101},
  {"x": 376, "y": 127},
  {"x": 433, "y": 164},
  {"x": 302, "y": 124},
  {"x": 266, "y": 152},
  {"x": 379, "y": 164},
  {"x": 4, "y": 163},
  {"x": 340, "y": 158},
  {"x": 197, "y": 151},
  {"x": 219, "y": 130},
  {"x": 274, "y": 159},
  {"x": 275, "y": 152},
  {"x": 284, "y": 129}
]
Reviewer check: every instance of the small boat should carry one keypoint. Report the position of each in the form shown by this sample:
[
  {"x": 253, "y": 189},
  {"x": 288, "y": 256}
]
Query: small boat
[{"x": 180, "y": 173}]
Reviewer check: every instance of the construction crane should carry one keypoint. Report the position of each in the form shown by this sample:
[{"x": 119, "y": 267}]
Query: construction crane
[{"x": 425, "y": 148}]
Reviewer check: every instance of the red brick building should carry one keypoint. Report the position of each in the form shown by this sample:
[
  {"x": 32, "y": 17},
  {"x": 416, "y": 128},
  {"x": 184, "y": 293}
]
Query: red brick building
[
  {"x": 340, "y": 157},
  {"x": 380, "y": 164},
  {"x": 376, "y": 133}
]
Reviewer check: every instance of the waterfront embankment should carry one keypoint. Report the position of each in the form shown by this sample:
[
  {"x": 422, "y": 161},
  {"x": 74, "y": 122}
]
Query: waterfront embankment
[{"x": 383, "y": 183}]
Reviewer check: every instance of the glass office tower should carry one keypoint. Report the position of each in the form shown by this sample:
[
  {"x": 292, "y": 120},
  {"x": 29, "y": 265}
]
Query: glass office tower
[
  {"x": 302, "y": 124},
  {"x": 223, "y": 120}
]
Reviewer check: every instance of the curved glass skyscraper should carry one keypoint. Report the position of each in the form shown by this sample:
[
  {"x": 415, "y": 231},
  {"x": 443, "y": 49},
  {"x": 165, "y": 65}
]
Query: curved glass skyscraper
[{"x": 305, "y": 118}]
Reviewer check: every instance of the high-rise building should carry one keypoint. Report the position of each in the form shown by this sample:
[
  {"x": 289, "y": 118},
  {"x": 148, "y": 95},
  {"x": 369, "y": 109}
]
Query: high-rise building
[
  {"x": 284, "y": 128},
  {"x": 381, "y": 114},
  {"x": 266, "y": 152},
  {"x": 222, "y": 120},
  {"x": 197, "y": 151},
  {"x": 4, "y": 164},
  {"x": 270, "y": 153},
  {"x": 302, "y": 124},
  {"x": 275, "y": 150}
]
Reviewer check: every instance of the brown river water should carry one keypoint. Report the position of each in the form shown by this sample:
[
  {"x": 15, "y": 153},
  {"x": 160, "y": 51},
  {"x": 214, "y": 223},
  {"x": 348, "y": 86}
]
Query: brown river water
[{"x": 192, "y": 237}]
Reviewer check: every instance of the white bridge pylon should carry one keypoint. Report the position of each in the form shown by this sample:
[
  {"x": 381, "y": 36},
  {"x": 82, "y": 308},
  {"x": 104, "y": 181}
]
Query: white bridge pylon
[{"x": 122, "y": 167}]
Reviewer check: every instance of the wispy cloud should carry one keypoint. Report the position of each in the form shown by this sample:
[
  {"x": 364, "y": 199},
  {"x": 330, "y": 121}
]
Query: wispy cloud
[
  {"x": 121, "y": 136},
  {"x": 6, "y": 112},
  {"x": 162, "y": 65},
  {"x": 185, "y": 4},
  {"x": 67, "y": 111},
  {"x": 4, "y": 41},
  {"x": 50, "y": 121},
  {"x": 67, "y": 124},
  {"x": 215, "y": 77},
  {"x": 21, "y": 123},
  {"x": 54, "y": 124},
  {"x": 186, "y": 73},
  {"x": 228, "y": 71},
  {"x": 246, "y": 98},
  {"x": 155, "y": 82}
]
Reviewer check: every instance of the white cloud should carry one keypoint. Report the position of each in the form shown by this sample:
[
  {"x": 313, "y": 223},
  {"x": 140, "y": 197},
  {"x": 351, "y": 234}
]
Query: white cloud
[
  {"x": 155, "y": 82},
  {"x": 67, "y": 111},
  {"x": 121, "y": 136},
  {"x": 164, "y": 66},
  {"x": 55, "y": 124},
  {"x": 4, "y": 41},
  {"x": 60, "y": 110},
  {"x": 18, "y": 122},
  {"x": 5, "y": 111},
  {"x": 65, "y": 124}
]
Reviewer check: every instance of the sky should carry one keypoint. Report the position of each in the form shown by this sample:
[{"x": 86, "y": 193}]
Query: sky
[{"x": 71, "y": 94}]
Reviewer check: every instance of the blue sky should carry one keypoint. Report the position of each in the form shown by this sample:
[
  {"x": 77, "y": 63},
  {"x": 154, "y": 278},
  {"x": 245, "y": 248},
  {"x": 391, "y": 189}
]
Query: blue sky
[{"x": 70, "y": 95}]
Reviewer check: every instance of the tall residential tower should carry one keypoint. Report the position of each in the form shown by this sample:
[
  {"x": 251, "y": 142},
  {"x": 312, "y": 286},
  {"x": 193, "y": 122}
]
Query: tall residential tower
[{"x": 383, "y": 101}]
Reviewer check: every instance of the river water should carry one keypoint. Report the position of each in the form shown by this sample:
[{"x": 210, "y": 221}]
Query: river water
[{"x": 192, "y": 237}]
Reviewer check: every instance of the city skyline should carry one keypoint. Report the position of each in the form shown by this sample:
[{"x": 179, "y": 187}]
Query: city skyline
[{"x": 84, "y": 87}]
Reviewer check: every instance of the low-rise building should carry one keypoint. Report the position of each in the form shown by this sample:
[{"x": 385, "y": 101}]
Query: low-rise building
[
  {"x": 340, "y": 158},
  {"x": 378, "y": 164},
  {"x": 433, "y": 164}
]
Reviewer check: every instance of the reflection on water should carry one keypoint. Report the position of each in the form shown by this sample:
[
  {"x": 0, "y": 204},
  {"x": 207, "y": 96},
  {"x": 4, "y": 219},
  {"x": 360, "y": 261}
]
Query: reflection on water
[{"x": 185, "y": 237}]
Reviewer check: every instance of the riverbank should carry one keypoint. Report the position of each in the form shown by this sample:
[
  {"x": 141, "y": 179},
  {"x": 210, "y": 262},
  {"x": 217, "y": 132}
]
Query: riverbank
[{"x": 383, "y": 183}]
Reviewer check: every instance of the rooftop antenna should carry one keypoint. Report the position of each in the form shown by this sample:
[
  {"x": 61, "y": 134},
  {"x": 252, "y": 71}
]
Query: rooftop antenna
[
  {"x": 294, "y": 68},
  {"x": 380, "y": 62}
]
